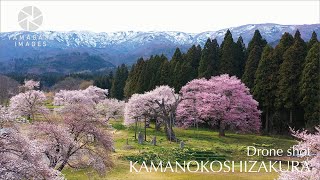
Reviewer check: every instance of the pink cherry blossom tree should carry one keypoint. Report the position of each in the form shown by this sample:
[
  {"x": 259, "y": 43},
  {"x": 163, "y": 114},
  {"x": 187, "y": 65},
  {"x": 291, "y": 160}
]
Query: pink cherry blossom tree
[
  {"x": 95, "y": 93},
  {"x": 134, "y": 113},
  {"x": 21, "y": 158},
  {"x": 75, "y": 135},
  {"x": 134, "y": 109},
  {"x": 79, "y": 142},
  {"x": 7, "y": 117},
  {"x": 65, "y": 98},
  {"x": 28, "y": 103},
  {"x": 78, "y": 138},
  {"x": 30, "y": 85},
  {"x": 159, "y": 103},
  {"x": 90, "y": 96},
  {"x": 222, "y": 101},
  {"x": 111, "y": 108},
  {"x": 311, "y": 142}
]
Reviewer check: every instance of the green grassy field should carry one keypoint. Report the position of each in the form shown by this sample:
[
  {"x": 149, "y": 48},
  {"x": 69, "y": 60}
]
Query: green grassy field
[{"x": 233, "y": 147}]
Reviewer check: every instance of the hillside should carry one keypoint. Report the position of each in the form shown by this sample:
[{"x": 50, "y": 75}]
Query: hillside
[{"x": 63, "y": 64}]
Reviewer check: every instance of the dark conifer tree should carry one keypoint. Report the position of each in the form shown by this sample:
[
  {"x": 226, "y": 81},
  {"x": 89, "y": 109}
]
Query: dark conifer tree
[
  {"x": 176, "y": 66},
  {"x": 262, "y": 90},
  {"x": 181, "y": 73},
  {"x": 118, "y": 83},
  {"x": 277, "y": 117},
  {"x": 165, "y": 74},
  {"x": 110, "y": 76},
  {"x": 251, "y": 66},
  {"x": 241, "y": 56},
  {"x": 256, "y": 40},
  {"x": 177, "y": 57},
  {"x": 193, "y": 57},
  {"x": 255, "y": 48},
  {"x": 163, "y": 60},
  {"x": 104, "y": 82},
  {"x": 176, "y": 74},
  {"x": 145, "y": 76},
  {"x": 285, "y": 43},
  {"x": 154, "y": 71},
  {"x": 312, "y": 40},
  {"x": 310, "y": 87},
  {"x": 289, "y": 75},
  {"x": 228, "y": 61},
  {"x": 209, "y": 63},
  {"x": 132, "y": 86}
]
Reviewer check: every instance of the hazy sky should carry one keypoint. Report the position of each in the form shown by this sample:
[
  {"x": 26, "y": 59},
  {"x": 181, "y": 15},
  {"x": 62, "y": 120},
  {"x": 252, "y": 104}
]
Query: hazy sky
[{"x": 186, "y": 16}]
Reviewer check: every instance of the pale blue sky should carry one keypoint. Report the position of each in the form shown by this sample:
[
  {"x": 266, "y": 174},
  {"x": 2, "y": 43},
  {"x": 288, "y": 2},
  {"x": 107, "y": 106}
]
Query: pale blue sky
[{"x": 188, "y": 16}]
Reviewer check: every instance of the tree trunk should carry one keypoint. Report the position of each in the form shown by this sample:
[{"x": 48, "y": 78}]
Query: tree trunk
[
  {"x": 52, "y": 159},
  {"x": 148, "y": 123},
  {"x": 290, "y": 121},
  {"x": 62, "y": 165},
  {"x": 157, "y": 125},
  {"x": 221, "y": 129},
  {"x": 65, "y": 161},
  {"x": 267, "y": 121},
  {"x": 32, "y": 115},
  {"x": 145, "y": 129},
  {"x": 197, "y": 129},
  {"x": 169, "y": 132},
  {"x": 135, "y": 129},
  {"x": 221, "y": 132}
]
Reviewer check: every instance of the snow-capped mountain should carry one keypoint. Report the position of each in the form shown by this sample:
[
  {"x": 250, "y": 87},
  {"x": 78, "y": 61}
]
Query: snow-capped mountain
[
  {"x": 126, "y": 47},
  {"x": 103, "y": 39},
  {"x": 271, "y": 32}
]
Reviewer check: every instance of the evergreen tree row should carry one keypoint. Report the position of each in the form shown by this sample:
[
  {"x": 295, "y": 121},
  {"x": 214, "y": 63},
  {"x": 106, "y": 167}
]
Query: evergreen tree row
[
  {"x": 287, "y": 83},
  {"x": 284, "y": 80},
  {"x": 114, "y": 82},
  {"x": 183, "y": 67}
]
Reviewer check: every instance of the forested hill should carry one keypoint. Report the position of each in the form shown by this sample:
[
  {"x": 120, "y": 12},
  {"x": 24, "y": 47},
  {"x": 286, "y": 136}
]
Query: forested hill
[{"x": 67, "y": 63}]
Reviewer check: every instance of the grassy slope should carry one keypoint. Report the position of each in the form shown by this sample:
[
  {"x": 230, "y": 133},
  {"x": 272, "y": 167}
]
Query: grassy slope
[{"x": 233, "y": 146}]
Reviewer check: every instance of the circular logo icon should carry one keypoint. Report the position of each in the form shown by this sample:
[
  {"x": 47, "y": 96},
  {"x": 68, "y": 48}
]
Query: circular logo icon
[{"x": 30, "y": 18}]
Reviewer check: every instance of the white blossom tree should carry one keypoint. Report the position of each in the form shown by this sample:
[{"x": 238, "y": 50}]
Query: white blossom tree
[
  {"x": 30, "y": 102},
  {"x": 74, "y": 135},
  {"x": 111, "y": 108},
  {"x": 21, "y": 158},
  {"x": 159, "y": 103},
  {"x": 90, "y": 96},
  {"x": 30, "y": 85},
  {"x": 78, "y": 138},
  {"x": 311, "y": 142},
  {"x": 7, "y": 117}
]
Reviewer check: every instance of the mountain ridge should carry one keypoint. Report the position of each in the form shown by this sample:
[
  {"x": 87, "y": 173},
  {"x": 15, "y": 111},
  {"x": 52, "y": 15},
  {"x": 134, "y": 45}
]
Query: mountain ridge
[{"x": 127, "y": 46}]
